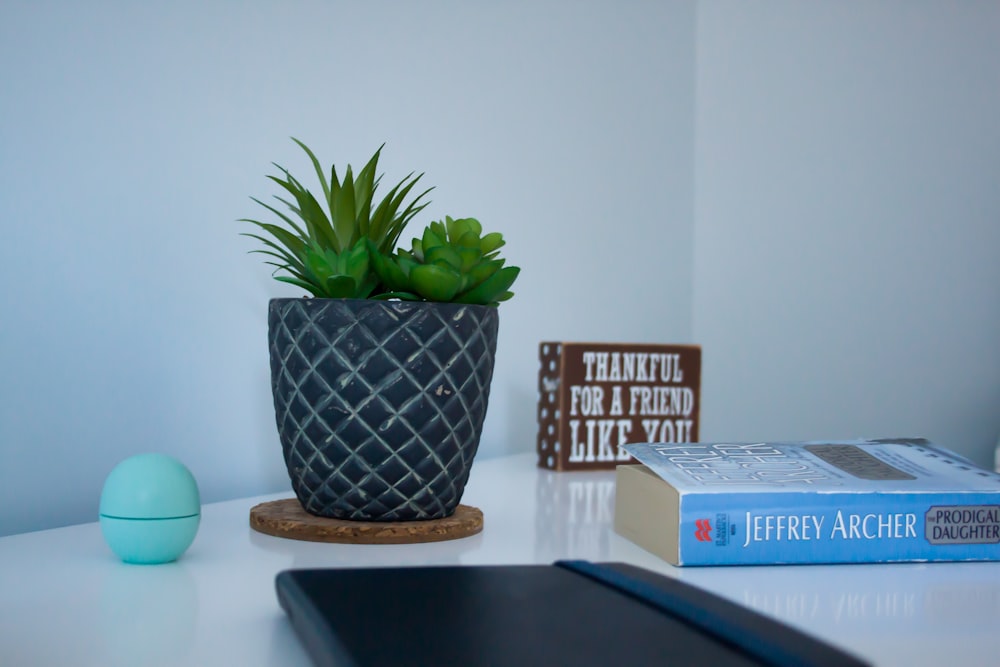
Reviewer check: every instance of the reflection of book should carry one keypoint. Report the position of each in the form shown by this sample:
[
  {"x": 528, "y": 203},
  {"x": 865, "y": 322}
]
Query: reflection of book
[
  {"x": 808, "y": 502},
  {"x": 867, "y": 602}
]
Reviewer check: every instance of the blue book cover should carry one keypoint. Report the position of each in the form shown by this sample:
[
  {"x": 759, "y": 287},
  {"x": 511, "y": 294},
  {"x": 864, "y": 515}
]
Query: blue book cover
[{"x": 809, "y": 502}]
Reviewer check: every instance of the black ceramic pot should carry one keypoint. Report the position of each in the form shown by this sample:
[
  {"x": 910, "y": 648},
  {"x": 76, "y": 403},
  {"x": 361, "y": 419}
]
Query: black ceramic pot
[{"x": 380, "y": 404}]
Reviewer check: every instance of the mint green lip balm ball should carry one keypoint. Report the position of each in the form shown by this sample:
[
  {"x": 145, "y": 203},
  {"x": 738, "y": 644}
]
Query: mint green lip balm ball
[{"x": 150, "y": 509}]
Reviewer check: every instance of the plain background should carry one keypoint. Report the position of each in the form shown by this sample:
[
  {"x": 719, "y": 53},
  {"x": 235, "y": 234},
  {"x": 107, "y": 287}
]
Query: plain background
[{"x": 808, "y": 190}]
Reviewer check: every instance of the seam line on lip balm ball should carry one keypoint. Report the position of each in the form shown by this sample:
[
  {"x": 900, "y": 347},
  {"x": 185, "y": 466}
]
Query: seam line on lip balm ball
[{"x": 147, "y": 518}]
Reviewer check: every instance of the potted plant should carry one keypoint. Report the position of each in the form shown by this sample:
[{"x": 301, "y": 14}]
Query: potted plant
[{"x": 381, "y": 376}]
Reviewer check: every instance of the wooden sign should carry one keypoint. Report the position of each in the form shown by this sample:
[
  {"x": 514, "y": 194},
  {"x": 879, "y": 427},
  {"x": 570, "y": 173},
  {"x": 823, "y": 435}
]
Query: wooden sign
[{"x": 595, "y": 397}]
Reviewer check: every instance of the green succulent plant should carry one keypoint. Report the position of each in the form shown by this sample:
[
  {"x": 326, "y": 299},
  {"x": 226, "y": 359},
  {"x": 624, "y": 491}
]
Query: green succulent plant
[
  {"x": 451, "y": 261},
  {"x": 325, "y": 247}
]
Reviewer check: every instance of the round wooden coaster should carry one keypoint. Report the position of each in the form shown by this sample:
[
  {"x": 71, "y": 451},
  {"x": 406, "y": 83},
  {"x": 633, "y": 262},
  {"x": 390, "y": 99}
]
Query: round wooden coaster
[{"x": 286, "y": 518}]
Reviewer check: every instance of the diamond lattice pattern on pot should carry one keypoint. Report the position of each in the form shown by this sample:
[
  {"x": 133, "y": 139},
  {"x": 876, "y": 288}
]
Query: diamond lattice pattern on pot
[{"x": 380, "y": 404}]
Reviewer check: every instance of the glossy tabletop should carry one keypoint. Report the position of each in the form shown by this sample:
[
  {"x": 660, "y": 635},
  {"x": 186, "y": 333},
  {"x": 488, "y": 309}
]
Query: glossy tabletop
[{"x": 65, "y": 599}]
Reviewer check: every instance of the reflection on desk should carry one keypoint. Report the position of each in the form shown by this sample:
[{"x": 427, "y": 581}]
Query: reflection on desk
[
  {"x": 574, "y": 511},
  {"x": 217, "y": 604}
]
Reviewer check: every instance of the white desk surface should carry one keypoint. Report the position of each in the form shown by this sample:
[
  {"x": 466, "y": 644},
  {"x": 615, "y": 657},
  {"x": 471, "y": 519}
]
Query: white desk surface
[{"x": 66, "y": 600}]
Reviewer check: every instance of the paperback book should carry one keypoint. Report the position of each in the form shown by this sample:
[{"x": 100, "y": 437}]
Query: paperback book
[{"x": 858, "y": 501}]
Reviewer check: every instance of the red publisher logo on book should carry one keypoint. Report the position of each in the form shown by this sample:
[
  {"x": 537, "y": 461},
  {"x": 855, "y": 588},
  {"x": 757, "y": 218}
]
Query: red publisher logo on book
[{"x": 703, "y": 532}]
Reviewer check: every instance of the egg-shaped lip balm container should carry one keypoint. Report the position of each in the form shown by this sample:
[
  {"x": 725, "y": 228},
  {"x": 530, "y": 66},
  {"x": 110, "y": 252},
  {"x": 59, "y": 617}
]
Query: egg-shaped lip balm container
[{"x": 150, "y": 509}]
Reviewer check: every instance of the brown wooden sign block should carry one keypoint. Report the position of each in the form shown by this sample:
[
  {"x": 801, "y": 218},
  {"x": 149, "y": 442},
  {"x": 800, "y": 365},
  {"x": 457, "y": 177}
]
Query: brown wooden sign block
[{"x": 595, "y": 397}]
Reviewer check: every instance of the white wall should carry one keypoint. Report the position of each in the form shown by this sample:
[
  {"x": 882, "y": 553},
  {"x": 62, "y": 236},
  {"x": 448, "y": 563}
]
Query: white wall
[
  {"x": 847, "y": 232},
  {"x": 809, "y": 190},
  {"x": 133, "y": 135}
]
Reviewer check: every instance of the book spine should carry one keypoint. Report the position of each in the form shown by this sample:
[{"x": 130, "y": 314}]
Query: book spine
[{"x": 779, "y": 528}]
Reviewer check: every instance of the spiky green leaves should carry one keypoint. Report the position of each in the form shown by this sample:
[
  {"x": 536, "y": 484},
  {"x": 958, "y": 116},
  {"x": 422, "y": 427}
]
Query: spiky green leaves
[
  {"x": 323, "y": 244},
  {"x": 340, "y": 245},
  {"x": 451, "y": 261}
]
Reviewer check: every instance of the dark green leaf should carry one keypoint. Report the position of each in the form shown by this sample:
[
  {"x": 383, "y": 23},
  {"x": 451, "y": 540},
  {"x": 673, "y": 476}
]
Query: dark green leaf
[
  {"x": 318, "y": 266},
  {"x": 343, "y": 214},
  {"x": 469, "y": 240},
  {"x": 439, "y": 230},
  {"x": 490, "y": 289},
  {"x": 281, "y": 215},
  {"x": 491, "y": 242},
  {"x": 357, "y": 261},
  {"x": 473, "y": 225},
  {"x": 406, "y": 262},
  {"x": 341, "y": 287},
  {"x": 292, "y": 242},
  {"x": 430, "y": 240},
  {"x": 469, "y": 256},
  {"x": 482, "y": 271},
  {"x": 316, "y": 221},
  {"x": 283, "y": 253},
  {"x": 285, "y": 267},
  {"x": 317, "y": 167},
  {"x": 365, "y": 186},
  {"x": 386, "y": 223},
  {"x": 444, "y": 253},
  {"x": 390, "y": 273},
  {"x": 295, "y": 268},
  {"x": 312, "y": 289},
  {"x": 435, "y": 282}
]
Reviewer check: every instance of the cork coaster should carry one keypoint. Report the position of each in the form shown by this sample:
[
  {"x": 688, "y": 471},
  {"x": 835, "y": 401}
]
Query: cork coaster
[{"x": 286, "y": 518}]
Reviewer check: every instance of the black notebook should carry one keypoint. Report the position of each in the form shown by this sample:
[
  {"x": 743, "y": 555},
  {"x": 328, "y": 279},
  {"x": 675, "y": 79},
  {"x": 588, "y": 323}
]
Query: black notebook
[{"x": 570, "y": 613}]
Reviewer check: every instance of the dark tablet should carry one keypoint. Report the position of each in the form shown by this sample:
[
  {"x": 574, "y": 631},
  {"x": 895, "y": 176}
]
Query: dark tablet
[{"x": 570, "y": 613}]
